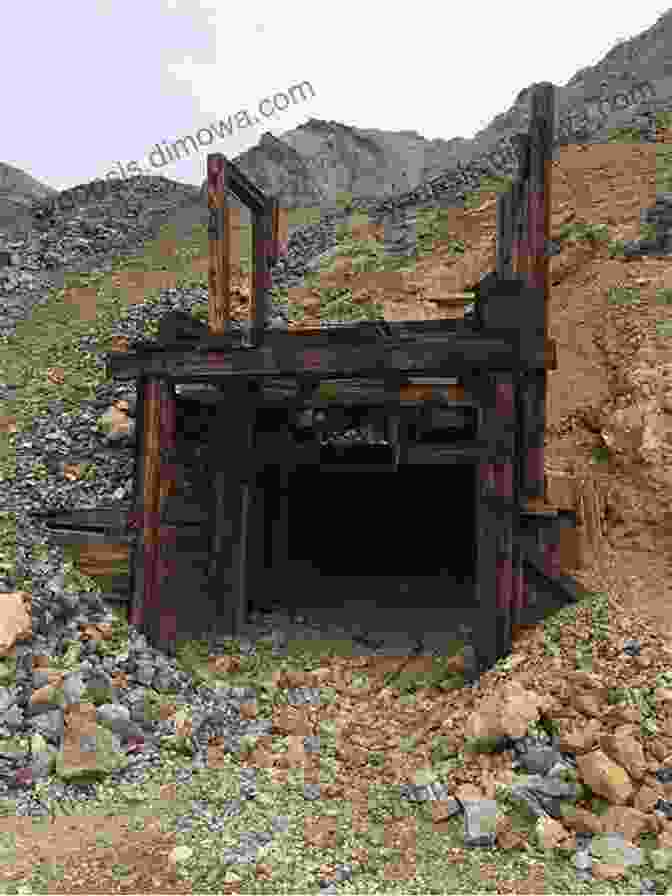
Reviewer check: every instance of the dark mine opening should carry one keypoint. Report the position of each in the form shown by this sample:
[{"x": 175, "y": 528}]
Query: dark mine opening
[
  {"x": 339, "y": 532},
  {"x": 391, "y": 552},
  {"x": 410, "y": 522},
  {"x": 391, "y": 546}
]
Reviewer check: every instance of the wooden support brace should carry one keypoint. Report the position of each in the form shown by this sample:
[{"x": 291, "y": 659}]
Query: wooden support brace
[
  {"x": 219, "y": 233},
  {"x": 280, "y": 231},
  {"x": 155, "y": 476},
  {"x": 231, "y": 441},
  {"x": 263, "y": 248}
]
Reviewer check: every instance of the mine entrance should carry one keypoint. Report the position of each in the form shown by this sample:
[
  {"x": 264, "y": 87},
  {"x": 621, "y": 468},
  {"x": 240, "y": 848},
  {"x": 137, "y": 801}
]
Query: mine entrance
[{"x": 354, "y": 526}]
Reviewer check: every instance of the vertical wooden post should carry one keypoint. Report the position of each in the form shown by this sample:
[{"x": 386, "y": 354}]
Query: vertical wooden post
[
  {"x": 542, "y": 118},
  {"x": 219, "y": 234},
  {"x": 231, "y": 448},
  {"x": 262, "y": 242},
  {"x": 151, "y": 483},
  {"x": 496, "y": 517},
  {"x": 487, "y": 530},
  {"x": 136, "y": 554},
  {"x": 505, "y": 209},
  {"x": 167, "y": 535},
  {"x": 280, "y": 230},
  {"x": 520, "y": 259},
  {"x": 155, "y": 477},
  {"x": 539, "y": 195}
]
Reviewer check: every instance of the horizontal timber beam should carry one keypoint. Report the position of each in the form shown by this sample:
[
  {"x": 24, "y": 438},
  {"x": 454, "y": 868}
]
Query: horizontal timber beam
[{"x": 448, "y": 355}]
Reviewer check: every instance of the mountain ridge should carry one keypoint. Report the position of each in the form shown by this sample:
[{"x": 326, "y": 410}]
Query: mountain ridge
[{"x": 322, "y": 161}]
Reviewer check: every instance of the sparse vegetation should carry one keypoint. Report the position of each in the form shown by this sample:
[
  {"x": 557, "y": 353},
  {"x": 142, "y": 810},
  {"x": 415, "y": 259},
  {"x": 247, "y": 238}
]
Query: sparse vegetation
[{"x": 601, "y": 454}]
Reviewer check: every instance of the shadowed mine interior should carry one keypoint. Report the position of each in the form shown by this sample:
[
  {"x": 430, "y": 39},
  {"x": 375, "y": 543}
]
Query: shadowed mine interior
[
  {"x": 343, "y": 544},
  {"x": 405, "y": 523}
]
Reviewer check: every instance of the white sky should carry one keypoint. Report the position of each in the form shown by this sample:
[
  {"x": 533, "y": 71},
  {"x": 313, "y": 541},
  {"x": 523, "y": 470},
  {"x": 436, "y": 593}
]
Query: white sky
[{"x": 92, "y": 83}]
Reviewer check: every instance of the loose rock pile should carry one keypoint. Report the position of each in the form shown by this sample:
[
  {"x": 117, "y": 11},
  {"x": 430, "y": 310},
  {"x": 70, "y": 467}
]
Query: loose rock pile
[{"x": 600, "y": 745}]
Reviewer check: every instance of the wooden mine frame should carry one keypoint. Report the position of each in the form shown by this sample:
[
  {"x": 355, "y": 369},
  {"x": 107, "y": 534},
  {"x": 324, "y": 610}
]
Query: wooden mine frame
[{"x": 500, "y": 359}]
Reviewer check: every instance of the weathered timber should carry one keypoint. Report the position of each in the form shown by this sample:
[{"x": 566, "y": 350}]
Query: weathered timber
[
  {"x": 542, "y": 112},
  {"x": 497, "y": 520},
  {"x": 504, "y": 265},
  {"x": 101, "y": 520},
  {"x": 268, "y": 224},
  {"x": 280, "y": 231},
  {"x": 71, "y": 535},
  {"x": 455, "y": 354},
  {"x": 231, "y": 444},
  {"x": 509, "y": 207},
  {"x": 263, "y": 248},
  {"x": 219, "y": 233},
  {"x": 154, "y": 482},
  {"x": 241, "y": 186}
]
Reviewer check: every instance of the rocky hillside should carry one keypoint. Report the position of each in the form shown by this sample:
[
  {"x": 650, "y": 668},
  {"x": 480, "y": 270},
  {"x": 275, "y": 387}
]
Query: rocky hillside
[{"x": 18, "y": 191}]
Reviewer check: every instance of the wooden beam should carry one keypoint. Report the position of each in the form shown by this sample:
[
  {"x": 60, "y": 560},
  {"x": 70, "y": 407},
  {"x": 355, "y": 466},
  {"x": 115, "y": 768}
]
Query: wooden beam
[
  {"x": 504, "y": 234},
  {"x": 280, "y": 231},
  {"x": 539, "y": 193},
  {"x": 533, "y": 263},
  {"x": 231, "y": 444},
  {"x": 136, "y": 565},
  {"x": 242, "y": 187},
  {"x": 497, "y": 521},
  {"x": 262, "y": 242},
  {"x": 145, "y": 604},
  {"x": 155, "y": 472},
  {"x": 447, "y": 354},
  {"x": 219, "y": 235}
]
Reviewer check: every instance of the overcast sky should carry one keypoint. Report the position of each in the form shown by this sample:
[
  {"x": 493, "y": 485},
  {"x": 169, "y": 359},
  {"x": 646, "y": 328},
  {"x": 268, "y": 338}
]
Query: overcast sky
[{"x": 92, "y": 85}]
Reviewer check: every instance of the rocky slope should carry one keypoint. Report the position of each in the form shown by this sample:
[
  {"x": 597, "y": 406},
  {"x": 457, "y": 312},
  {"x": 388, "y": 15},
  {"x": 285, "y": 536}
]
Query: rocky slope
[{"x": 18, "y": 191}]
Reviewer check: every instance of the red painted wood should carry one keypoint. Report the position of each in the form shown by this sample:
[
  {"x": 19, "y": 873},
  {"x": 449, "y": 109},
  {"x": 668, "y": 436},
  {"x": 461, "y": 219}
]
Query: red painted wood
[
  {"x": 216, "y": 165},
  {"x": 219, "y": 360},
  {"x": 552, "y": 558},
  {"x": 138, "y": 520},
  {"x": 503, "y": 475},
  {"x": 167, "y": 627},
  {"x": 534, "y": 470},
  {"x": 486, "y": 476},
  {"x": 505, "y": 400},
  {"x": 536, "y": 239}
]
